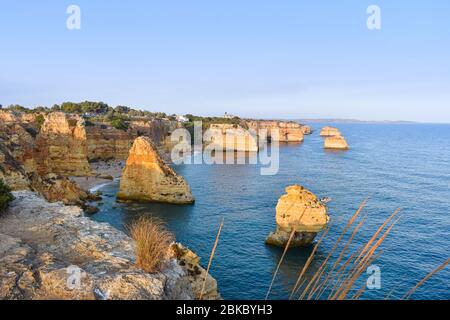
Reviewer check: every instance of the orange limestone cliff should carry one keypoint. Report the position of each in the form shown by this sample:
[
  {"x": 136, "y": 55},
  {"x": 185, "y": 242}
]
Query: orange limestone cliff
[
  {"x": 148, "y": 178},
  {"x": 288, "y": 131},
  {"x": 298, "y": 210},
  {"x": 228, "y": 137},
  {"x": 61, "y": 146}
]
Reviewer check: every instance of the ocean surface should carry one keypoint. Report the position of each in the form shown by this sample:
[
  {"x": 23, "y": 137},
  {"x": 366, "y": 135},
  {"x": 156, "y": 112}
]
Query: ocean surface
[{"x": 403, "y": 166}]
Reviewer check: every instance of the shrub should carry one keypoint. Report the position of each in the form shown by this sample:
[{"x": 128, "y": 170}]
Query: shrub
[
  {"x": 152, "y": 243},
  {"x": 39, "y": 121},
  {"x": 5, "y": 196},
  {"x": 119, "y": 124}
]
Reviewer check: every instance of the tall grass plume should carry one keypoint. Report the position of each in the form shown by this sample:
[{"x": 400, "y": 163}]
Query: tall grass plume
[{"x": 152, "y": 243}]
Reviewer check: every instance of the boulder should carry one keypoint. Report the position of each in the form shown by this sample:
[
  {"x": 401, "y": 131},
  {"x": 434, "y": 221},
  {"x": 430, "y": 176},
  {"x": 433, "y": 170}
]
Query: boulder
[
  {"x": 298, "y": 210},
  {"x": 148, "y": 178},
  {"x": 336, "y": 143},
  {"x": 329, "y": 132}
]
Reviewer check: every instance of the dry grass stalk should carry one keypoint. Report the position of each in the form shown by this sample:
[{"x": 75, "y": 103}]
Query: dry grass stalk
[
  {"x": 360, "y": 267},
  {"x": 428, "y": 276},
  {"x": 211, "y": 258},
  {"x": 322, "y": 287},
  {"x": 307, "y": 264},
  {"x": 280, "y": 262},
  {"x": 316, "y": 277},
  {"x": 152, "y": 243}
]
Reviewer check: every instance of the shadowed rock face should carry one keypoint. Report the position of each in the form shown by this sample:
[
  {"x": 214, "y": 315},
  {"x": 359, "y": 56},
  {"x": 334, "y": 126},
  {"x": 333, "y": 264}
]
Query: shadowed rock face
[
  {"x": 298, "y": 210},
  {"x": 147, "y": 177}
]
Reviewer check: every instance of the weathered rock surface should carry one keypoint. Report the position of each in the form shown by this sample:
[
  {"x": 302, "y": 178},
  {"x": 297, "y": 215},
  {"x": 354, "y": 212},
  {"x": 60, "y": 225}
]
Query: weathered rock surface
[
  {"x": 62, "y": 147},
  {"x": 147, "y": 177},
  {"x": 287, "y": 131},
  {"x": 195, "y": 273},
  {"x": 336, "y": 143},
  {"x": 43, "y": 247},
  {"x": 11, "y": 172},
  {"x": 105, "y": 142},
  {"x": 329, "y": 132},
  {"x": 228, "y": 137},
  {"x": 299, "y": 210}
]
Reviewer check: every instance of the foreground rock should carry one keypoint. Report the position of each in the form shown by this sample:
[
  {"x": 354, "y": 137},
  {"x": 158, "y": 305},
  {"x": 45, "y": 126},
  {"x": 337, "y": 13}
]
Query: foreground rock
[
  {"x": 44, "y": 246},
  {"x": 336, "y": 143},
  {"x": 329, "y": 132},
  {"x": 147, "y": 177},
  {"x": 298, "y": 210}
]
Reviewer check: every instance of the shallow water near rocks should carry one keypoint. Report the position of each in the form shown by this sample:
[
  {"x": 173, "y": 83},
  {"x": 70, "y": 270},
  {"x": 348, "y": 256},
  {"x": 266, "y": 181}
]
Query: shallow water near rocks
[{"x": 398, "y": 166}]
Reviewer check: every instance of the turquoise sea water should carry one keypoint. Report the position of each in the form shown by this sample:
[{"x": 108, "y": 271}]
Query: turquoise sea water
[{"x": 397, "y": 166}]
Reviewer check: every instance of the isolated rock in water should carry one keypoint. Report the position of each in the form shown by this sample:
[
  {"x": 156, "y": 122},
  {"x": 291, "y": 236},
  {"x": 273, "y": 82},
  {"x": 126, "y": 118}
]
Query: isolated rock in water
[
  {"x": 329, "y": 132},
  {"x": 298, "y": 210},
  {"x": 147, "y": 177},
  {"x": 336, "y": 143}
]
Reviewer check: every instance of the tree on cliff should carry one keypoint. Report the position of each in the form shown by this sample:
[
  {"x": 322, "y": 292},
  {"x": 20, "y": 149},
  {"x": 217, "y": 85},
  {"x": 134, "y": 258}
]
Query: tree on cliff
[{"x": 5, "y": 196}]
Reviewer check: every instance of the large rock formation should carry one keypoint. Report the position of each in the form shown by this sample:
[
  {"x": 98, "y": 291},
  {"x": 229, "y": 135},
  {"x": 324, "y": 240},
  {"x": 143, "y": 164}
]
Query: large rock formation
[
  {"x": 229, "y": 137},
  {"x": 298, "y": 210},
  {"x": 336, "y": 143},
  {"x": 329, "y": 132},
  {"x": 61, "y": 146},
  {"x": 50, "y": 251},
  {"x": 287, "y": 131},
  {"x": 105, "y": 142},
  {"x": 147, "y": 177}
]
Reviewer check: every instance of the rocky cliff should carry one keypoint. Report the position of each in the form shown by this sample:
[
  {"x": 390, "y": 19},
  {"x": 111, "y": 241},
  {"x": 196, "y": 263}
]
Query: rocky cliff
[
  {"x": 298, "y": 210},
  {"x": 228, "y": 137},
  {"x": 147, "y": 177},
  {"x": 61, "y": 146},
  {"x": 105, "y": 142},
  {"x": 51, "y": 251},
  {"x": 288, "y": 131}
]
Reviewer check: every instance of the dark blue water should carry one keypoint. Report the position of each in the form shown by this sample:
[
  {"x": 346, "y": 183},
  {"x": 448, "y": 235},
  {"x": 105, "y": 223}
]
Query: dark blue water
[{"x": 406, "y": 166}]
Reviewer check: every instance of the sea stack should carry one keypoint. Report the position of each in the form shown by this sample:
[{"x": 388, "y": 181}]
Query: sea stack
[
  {"x": 148, "y": 178},
  {"x": 329, "y": 132},
  {"x": 298, "y": 210},
  {"x": 336, "y": 143}
]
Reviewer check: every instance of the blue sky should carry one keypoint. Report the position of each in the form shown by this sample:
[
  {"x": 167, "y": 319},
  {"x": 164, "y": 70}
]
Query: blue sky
[{"x": 253, "y": 58}]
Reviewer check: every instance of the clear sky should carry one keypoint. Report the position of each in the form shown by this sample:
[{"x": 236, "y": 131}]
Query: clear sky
[{"x": 253, "y": 58}]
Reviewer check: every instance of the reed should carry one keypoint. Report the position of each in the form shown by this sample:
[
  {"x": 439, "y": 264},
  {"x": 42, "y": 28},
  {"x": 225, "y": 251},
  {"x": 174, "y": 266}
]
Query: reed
[
  {"x": 152, "y": 243},
  {"x": 427, "y": 277},
  {"x": 211, "y": 258}
]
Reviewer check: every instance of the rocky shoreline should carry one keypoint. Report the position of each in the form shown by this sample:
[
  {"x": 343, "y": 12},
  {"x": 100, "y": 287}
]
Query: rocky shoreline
[{"x": 42, "y": 242}]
